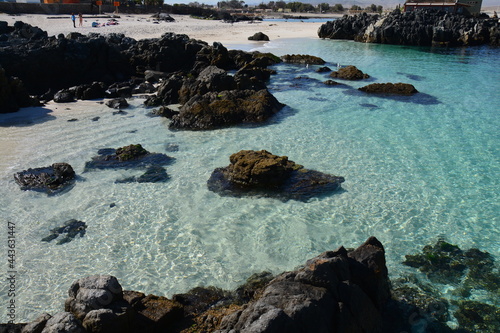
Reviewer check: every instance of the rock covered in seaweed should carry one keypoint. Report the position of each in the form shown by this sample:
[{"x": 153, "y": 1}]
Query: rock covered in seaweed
[
  {"x": 52, "y": 179},
  {"x": 260, "y": 173},
  {"x": 447, "y": 263},
  {"x": 304, "y": 59},
  {"x": 226, "y": 108},
  {"x": 349, "y": 73},
  {"x": 132, "y": 156},
  {"x": 390, "y": 88}
]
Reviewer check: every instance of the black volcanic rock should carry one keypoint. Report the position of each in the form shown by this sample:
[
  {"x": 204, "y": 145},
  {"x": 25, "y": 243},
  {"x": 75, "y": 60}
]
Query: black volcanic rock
[
  {"x": 259, "y": 36},
  {"x": 132, "y": 156},
  {"x": 50, "y": 179},
  {"x": 390, "y": 88},
  {"x": 420, "y": 27},
  {"x": 226, "y": 108},
  {"x": 260, "y": 173},
  {"x": 302, "y": 59}
]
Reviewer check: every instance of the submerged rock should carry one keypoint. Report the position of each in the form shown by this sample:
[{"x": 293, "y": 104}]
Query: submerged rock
[
  {"x": 349, "y": 73},
  {"x": 478, "y": 317},
  {"x": 448, "y": 264},
  {"x": 259, "y": 173},
  {"x": 117, "y": 103},
  {"x": 153, "y": 174},
  {"x": 52, "y": 179},
  {"x": 71, "y": 228},
  {"x": 390, "y": 88},
  {"x": 132, "y": 156}
]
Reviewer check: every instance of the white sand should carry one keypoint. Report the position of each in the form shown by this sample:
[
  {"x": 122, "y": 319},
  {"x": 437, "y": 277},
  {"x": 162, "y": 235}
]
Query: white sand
[{"x": 142, "y": 26}]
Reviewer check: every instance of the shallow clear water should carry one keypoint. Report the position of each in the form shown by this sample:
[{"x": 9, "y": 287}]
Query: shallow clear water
[{"x": 416, "y": 168}]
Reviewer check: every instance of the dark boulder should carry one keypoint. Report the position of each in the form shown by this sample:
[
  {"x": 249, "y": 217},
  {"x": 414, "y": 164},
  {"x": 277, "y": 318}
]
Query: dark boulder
[
  {"x": 71, "y": 228},
  {"x": 259, "y": 36},
  {"x": 64, "y": 96},
  {"x": 349, "y": 73},
  {"x": 390, "y": 88},
  {"x": 117, "y": 103},
  {"x": 226, "y": 108},
  {"x": 132, "y": 156},
  {"x": 302, "y": 59},
  {"x": 260, "y": 173},
  {"x": 52, "y": 179},
  {"x": 326, "y": 295},
  {"x": 13, "y": 94}
]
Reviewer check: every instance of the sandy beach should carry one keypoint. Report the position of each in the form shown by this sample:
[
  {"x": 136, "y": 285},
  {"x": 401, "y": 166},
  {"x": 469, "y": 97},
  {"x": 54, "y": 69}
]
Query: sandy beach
[{"x": 143, "y": 26}]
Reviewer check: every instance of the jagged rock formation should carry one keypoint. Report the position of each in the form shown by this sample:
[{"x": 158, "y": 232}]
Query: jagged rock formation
[
  {"x": 94, "y": 66},
  {"x": 421, "y": 27},
  {"x": 52, "y": 179},
  {"x": 260, "y": 173}
]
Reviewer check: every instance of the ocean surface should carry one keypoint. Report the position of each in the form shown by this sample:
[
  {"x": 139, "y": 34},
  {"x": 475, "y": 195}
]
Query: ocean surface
[{"x": 416, "y": 169}]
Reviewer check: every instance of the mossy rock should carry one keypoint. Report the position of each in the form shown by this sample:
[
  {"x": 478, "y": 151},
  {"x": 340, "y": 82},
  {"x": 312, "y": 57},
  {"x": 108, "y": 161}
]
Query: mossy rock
[
  {"x": 130, "y": 152},
  {"x": 478, "y": 317}
]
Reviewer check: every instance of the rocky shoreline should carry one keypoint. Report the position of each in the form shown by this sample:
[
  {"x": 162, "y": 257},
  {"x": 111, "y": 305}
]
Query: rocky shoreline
[
  {"x": 344, "y": 290},
  {"x": 419, "y": 28}
]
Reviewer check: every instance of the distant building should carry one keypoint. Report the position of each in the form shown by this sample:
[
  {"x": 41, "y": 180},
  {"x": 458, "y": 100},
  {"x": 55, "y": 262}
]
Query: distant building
[{"x": 467, "y": 7}]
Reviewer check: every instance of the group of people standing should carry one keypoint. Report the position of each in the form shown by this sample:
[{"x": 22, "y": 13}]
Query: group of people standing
[{"x": 80, "y": 18}]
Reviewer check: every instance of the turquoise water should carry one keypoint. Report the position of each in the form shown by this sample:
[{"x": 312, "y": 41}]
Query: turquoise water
[{"x": 416, "y": 169}]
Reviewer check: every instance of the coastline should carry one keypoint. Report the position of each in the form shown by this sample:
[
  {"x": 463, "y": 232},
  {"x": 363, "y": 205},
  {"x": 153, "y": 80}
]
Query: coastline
[{"x": 142, "y": 26}]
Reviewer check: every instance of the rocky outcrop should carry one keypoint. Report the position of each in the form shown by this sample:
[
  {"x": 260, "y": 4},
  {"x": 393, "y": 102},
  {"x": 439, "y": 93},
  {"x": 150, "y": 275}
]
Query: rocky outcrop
[
  {"x": 52, "y": 179},
  {"x": 349, "y": 73},
  {"x": 226, "y": 108},
  {"x": 390, "y": 88},
  {"x": 70, "y": 228},
  {"x": 421, "y": 27},
  {"x": 259, "y": 36},
  {"x": 348, "y": 27},
  {"x": 260, "y": 173},
  {"x": 337, "y": 291},
  {"x": 304, "y": 59},
  {"x": 132, "y": 156},
  {"x": 13, "y": 94}
]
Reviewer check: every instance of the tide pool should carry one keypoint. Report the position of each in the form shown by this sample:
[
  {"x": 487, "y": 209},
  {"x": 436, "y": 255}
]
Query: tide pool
[{"x": 416, "y": 168}]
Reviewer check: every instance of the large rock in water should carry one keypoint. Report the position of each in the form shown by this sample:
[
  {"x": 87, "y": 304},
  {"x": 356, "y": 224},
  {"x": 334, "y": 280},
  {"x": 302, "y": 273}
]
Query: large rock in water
[
  {"x": 390, "y": 88},
  {"x": 226, "y": 108},
  {"x": 260, "y": 173},
  {"x": 349, "y": 73},
  {"x": 50, "y": 179},
  {"x": 132, "y": 156},
  {"x": 304, "y": 59}
]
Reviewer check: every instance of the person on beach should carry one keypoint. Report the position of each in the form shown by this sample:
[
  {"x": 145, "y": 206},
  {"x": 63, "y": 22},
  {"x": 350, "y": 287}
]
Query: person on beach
[
  {"x": 73, "y": 18},
  {"x": 80, "y": 17}
]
